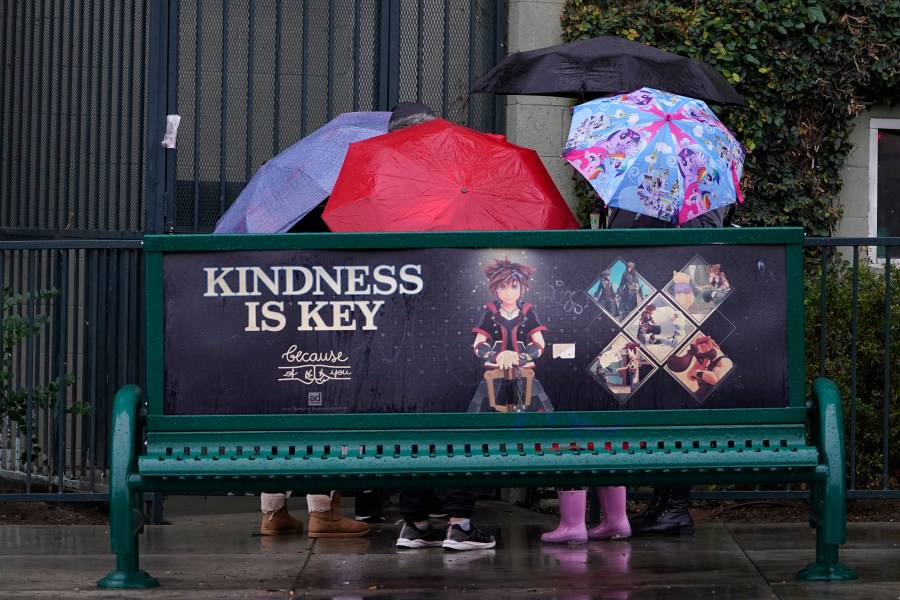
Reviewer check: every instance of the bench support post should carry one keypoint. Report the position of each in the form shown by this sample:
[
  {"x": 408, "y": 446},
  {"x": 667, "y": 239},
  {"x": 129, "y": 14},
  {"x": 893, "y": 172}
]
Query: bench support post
[
  {"x": 828, "y": 502},
  {"x": 126, "y": 520}
]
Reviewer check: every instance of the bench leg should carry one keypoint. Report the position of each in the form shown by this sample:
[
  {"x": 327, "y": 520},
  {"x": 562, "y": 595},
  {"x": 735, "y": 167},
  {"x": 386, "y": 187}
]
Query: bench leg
[
  {"x": 828, "y": 503},
  {"x": 125, "y": 527},
  {"x": 126, "y": 518}
]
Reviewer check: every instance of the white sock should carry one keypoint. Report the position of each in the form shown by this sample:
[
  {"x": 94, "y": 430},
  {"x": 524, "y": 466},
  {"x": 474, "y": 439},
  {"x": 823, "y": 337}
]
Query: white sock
[
  {"x": 421, "y": 525},
  {"x": 465, "y": 524}
]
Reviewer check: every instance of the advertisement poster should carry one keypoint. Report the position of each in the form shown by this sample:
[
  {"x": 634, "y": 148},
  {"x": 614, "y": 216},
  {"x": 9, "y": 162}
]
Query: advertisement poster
[{"x": 462, "y": 329}]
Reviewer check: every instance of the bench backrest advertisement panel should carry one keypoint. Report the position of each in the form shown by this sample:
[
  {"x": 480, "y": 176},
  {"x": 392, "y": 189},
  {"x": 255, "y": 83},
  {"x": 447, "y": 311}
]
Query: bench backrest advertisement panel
[{"x": 416, "y": 330}]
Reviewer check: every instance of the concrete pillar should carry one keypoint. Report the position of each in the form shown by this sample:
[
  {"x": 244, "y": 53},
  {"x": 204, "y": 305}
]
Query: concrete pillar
[{"x": 540, "y": 122}]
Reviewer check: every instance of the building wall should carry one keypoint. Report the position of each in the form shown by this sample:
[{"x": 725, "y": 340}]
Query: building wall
[
  {"x": 854, "y": 197},
  {"x": 540, "y": 122}
]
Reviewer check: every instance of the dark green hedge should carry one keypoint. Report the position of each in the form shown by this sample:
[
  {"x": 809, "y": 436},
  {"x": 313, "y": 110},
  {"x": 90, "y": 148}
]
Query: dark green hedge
[{"x": 806, "y": 68}]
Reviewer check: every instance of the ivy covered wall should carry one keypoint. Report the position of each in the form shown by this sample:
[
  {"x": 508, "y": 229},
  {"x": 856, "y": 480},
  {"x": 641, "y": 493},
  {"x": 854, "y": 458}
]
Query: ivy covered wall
[{"x": 807, "y": 68}]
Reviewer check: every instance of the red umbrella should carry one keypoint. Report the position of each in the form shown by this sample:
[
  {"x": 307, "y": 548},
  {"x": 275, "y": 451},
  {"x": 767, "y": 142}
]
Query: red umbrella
[{"x": 439, "y": 176}]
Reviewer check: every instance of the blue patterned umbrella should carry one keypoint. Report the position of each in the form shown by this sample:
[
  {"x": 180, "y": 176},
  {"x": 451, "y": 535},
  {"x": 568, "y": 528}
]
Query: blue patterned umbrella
[
  {"x": 291, "y": 184},
  {"x": 656, "y": 153}
]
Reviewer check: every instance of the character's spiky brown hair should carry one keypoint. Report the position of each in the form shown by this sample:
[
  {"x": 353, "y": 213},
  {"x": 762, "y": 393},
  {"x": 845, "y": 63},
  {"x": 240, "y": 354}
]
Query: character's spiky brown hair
[{"x": 503, "y": 272}]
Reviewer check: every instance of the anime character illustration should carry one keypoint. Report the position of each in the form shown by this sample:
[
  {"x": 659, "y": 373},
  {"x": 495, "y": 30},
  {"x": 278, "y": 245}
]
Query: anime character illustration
[
  {"x": 701, "y": 366},
  {"x": 717, "y": 287},
  {"x": 647, "y": 326},
  {"x": 677, "y": 322},
  {"x": 698, "y": 288},
  {"x": 586, "y": 131},
  {"x": 654, "y": 196},
  {"x": 509, "y": 337},
  {"x": 660, "y": 326},
  {"x": 629, "y": 290},
  {"x": 637, "y": 98},
  {"x": 605, "y": 295},
  {"x": 593, "y": 160},
  {"x": 694, "y": 173},
  {"x": 682, "y": 289},
  {"x": 622, "y": 367}
]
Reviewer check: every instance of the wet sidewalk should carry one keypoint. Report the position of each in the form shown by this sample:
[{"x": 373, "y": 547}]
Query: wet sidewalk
[{"x": 210, "y": 550}]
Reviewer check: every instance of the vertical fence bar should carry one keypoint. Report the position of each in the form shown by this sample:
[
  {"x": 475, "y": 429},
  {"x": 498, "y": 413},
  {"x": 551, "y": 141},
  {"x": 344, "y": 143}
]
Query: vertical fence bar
[
  {"x": 822, "y": 308},
  {"x": 198, "y": 101},
  {"x": 45, "y": 372},
  {"x": 29, "y": 372},
  {"x": 251, "y": 59},
  {"x": 15, "y": 185},
  {"x": 854, "y": 348},
  {"x": 304, "y": 70},
  {"x": 886, "y": 433},
  {"x": 329, "y": 85},
  {"x": 223, "y": 89},
  {"x": 78, "y": 391},
  {"x": 420, "y": 51},
  {"x": 276, "y": 99},
  {"x": 357, "y": 39},
  {"x": 147, "y": 219},
  {"x": 105, "y": 77},
  {"x": 470, "y": 75},
  {"x": 5, "y": 50},
  {"x": 499, "y": 54},
  {"x": 44, "y": 118},
  {"x": 445, "y": 63},
  {"x": 94, "y": 133},
  {"x": 59, "y": 369}
]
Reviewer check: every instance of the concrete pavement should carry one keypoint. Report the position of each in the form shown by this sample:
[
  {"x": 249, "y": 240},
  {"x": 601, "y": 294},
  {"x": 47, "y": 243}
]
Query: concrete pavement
[{"x": 209, "y": 550}]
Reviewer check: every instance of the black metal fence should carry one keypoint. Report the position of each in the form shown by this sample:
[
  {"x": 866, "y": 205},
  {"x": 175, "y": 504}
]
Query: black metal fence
[
  {"x": 73, "y": 112},
  {"x": 250, "y": 78},
  {"x": 95, "y": 333}
]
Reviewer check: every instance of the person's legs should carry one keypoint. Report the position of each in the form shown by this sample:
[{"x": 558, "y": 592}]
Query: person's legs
[
  {"x": 614, "y": 525},
  {"x": 327, "y": 520},
  {"x": 673, "y": 517},
  {"x": 459, "y": 503},
  {"x": 276, "y": 520},
  {"x": 369, "y": 506},
  {"x": 572, "y": 528},
  {"x": 417, "y": 531}
]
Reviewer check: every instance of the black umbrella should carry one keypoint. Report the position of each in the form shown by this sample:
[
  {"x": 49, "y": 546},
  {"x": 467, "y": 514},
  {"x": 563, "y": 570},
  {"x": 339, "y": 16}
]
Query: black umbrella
[{"x": 603, "y": 66}]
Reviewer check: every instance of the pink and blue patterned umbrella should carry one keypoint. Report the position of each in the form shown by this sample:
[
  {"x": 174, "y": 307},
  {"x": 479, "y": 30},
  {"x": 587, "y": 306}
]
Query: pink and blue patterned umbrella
[
  {"x": 289, "y": 185},
  {"x": 656, "y": 153}
]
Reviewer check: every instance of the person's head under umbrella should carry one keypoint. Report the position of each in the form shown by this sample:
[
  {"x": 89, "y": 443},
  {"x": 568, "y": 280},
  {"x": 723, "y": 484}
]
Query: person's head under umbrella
[{"x": 407, "y": 114}]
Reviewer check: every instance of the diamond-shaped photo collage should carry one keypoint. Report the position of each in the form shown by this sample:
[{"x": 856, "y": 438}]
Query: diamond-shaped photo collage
[{"x": 660, "y": 331}]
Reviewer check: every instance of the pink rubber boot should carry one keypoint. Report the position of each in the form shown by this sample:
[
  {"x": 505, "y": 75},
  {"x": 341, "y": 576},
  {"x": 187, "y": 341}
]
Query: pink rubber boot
[
  {"x": 614, "y": 525},
  {"x": 571, "y": 519}
]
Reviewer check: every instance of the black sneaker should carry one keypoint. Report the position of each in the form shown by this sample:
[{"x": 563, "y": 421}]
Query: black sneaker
[
  {"x": 473, "y": 539},
  {"x": 371, "y": 518},
  {"x": 412, "y": 537}
]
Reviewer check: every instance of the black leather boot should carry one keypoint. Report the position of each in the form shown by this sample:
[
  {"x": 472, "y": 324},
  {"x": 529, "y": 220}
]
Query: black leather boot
[
  {"x": 657, "y": 505},
  {"x": 674, "y": 519}
]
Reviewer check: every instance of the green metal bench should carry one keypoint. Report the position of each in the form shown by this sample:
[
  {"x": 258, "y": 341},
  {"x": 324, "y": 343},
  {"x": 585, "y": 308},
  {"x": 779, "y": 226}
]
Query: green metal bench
[{"x": 209, "y": 426}]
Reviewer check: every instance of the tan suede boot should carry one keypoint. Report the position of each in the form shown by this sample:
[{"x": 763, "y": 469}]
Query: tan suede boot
[
  {"x": 280, "y": 522},
  {"x": 326, "y": 520}
]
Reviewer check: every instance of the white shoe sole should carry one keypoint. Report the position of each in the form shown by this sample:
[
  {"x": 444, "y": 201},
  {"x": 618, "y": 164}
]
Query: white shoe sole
[
  {"x": 451, "y": 545},
  {"x": 403, "y": 543}
]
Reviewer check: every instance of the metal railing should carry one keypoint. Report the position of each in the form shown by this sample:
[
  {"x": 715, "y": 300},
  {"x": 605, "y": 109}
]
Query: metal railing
[
  {"x": 99, "y": 338},
  {"x": 94, "y": 332}
]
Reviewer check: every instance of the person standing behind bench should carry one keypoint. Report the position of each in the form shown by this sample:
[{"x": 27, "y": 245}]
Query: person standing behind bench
[
  {"x": 416, "y": 504},
  {"x": 668, "y": 511}
]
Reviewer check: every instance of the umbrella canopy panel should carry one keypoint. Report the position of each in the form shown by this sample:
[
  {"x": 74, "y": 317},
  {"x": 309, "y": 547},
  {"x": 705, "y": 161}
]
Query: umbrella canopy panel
[
  {"x": 605, "y": 65},
  {"x": 656, "y": 153},
  {"x": 289, "y": 185},
  {"x": 439, "y": 176}
]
